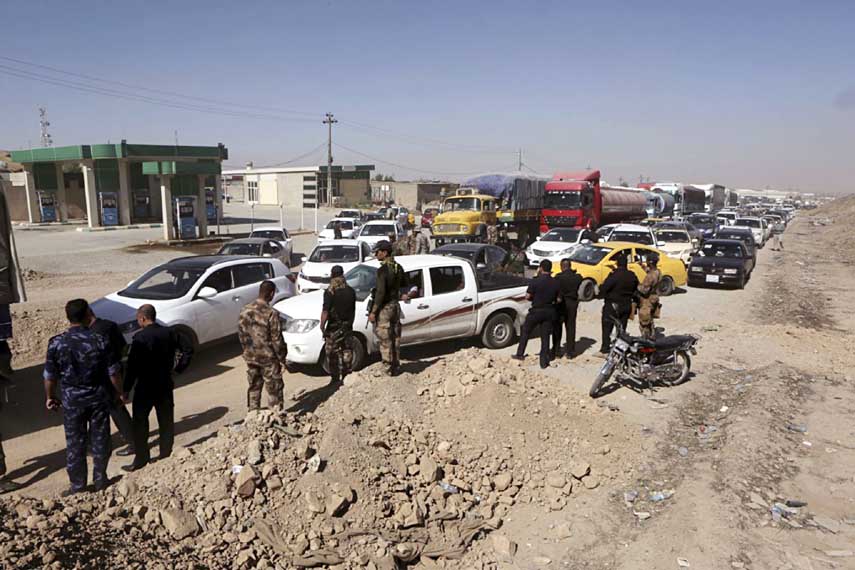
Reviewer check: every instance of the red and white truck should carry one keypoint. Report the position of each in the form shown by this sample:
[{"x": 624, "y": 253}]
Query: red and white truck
[{"x": 578, "y": 200}]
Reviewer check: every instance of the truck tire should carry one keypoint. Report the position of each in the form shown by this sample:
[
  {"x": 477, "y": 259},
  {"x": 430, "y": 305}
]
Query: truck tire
[
  {"x": 587, "y": 290},
  {"x": 498, "y": 331},
  {"x": 666, "y": 286},
  {"x": 360, "y": 355}
]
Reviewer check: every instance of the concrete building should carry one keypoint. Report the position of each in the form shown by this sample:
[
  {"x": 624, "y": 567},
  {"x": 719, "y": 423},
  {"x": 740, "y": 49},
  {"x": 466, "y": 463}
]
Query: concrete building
[
  {"x": 143, "y": 178},
  {"x": 299, "y": 186},
  {"x": 413, "y": 195}
]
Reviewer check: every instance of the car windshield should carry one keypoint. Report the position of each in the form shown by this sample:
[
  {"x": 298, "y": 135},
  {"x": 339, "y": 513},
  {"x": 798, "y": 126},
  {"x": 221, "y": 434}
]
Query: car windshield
[
  {"x": 721, "y": 250},
  {"x": 377, "y": 230},
  {"x": 162, "y": 283},
  {"x": 348, "y": 214},
  {"x": 335, "y": 254},
  {"x": 344, "y": 224},
  {"x": 269, "y": 234},
  {"x": 362, "y": 279},
  {"x": 670, "y": 236},
  {"x": 240, "y": 249},
  {"x": 455, "y": 204},
  {"x": 634, "y": 237},
  {"x": 747, "y": 223},
  {"x": 702, "y": 221},
  {"x": 589, "y": 254},
  {"x": 464, "y": 253},
  {"x": 566, "y": 235},
  {"x": 562, "y": 200}
]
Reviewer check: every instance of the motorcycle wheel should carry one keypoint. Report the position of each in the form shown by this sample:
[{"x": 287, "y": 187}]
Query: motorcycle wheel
[
  {"x": 602, "y": 377},
  {"x": 684, "y": 362}
]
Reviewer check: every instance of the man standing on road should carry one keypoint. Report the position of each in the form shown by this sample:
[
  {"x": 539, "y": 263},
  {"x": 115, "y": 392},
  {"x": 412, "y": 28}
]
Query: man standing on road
[
  {"x": 617, "y": 291},
  {"x": 116, "y": 344},
  {"x": 416, "y": 243},
  {"x": 337, "y": 230},
  {"x": 648, "y": 291},
  {"x": 385, "y": 311},
  {"x": 492, "y": 234},
  {"x": 264, "y": 349},
  {"x": 568, "y": 282},
  {"x": 81, "y": 362},
  {"x": 151, "y": 362},
  {"x": 543, "y": 293},
  {"x": 337, "y": 316}
]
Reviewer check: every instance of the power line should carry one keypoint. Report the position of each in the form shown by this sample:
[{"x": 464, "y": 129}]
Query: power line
[{"x": 397, "y": 165}]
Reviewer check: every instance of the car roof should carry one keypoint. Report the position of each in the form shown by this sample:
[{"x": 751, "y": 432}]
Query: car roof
[
  {"x": 378, "y": 222},
  {"x": 353, "y": 242},
  {"x": 205, "y": 261},
  {"x": 462, "y": 247},
  {"x": 249, "y": 240},
  {"x": 410, "y": 262},
  {"x": 631, "y": 228},
  {"x": 620, "y": 245},
  {"x": 257, "y": 228}
]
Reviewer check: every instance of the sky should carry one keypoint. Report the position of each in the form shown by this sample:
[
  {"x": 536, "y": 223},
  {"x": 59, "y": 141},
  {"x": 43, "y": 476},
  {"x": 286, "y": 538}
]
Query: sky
[{"x": 748, "y": 94}]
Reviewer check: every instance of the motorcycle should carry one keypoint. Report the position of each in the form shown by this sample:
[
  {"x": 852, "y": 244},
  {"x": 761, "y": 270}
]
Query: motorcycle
[{"x": 665, "y": 360}]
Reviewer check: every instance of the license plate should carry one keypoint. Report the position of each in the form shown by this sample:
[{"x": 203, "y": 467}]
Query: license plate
[{"x": 712, "y": 278}]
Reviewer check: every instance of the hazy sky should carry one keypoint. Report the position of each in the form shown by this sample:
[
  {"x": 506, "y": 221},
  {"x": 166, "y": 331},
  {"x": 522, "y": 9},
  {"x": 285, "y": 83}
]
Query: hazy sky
[{"x": 747, "y": 93}]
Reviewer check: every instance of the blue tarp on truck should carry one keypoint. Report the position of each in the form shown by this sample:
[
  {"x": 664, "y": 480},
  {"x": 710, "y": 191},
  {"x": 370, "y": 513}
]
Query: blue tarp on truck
[{"x": 514, "y": 191}]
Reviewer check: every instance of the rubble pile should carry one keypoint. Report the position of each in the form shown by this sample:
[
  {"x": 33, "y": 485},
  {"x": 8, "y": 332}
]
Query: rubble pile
[{"x": 387, "y": 472}]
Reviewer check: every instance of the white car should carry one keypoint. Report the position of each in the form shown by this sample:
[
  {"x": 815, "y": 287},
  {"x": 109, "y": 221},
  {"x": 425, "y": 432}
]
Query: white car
[
  {"x": 556, "y": 244},
  {"x": 315, "y": 272},
  {"x": 375, "y": 231},
  {"x": 726, "y": 218},
  {"x": 446, "y": 301},
  {"x": 350, "y": 214},
  {"x": 256, "y": 247},
  {"x": 757, "y": 227},
  {"x": 633, "y": 233},
  {"x": 200, "y": 296},
  {"x": 349, "y": 229},
  {"x": 277, "y": 233},
  {"x": 677, "y": 243}
]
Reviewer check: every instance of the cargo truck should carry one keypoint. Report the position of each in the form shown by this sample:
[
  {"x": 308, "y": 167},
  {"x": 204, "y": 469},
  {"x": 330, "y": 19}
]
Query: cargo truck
[
  {"x": 578, "y": 200},
  {"x": 687, "y": 199}
]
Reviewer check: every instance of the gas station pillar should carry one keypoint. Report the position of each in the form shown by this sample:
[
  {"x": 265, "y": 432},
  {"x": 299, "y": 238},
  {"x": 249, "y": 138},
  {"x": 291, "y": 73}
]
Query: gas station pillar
[
  {"x": 202, "y": 207},
  {"x": 166, "y": 206},
  {"x": 33, "y": 212},
  {"x": 91, "y": 194},
  {"x": 124, "y": 193},
  {"x": 62, "y": 203}
]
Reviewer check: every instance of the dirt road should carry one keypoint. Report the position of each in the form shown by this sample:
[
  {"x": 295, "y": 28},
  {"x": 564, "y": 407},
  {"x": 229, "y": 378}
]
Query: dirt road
[{"x": 763, "y": 420}]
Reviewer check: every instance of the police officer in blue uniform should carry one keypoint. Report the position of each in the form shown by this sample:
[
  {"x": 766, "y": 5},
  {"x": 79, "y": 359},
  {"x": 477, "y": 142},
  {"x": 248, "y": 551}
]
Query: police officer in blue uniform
[
  {"x": 543, "y": 292},
  {"x": 81, "y": 363}
]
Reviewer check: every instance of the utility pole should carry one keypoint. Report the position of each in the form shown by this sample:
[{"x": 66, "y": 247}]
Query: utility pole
[
  {"x": 519, "y": 160},
  {"x": 329, "y": 122},
  {"x": 47, "y": 140}
]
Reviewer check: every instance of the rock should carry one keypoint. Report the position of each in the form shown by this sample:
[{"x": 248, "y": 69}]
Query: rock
[
  {"x": 274, "y": 483},
  {"x": 563, "y": 530},
  {"x": 429, "y": 470},
  {"x": 504, "y": 547},
  {"x": 502, "y": 481},
  {"x": 443, "y": 446},
  {"x": 179, "y": 523},
  {"x": 126, "y": 488},
  {"x": 591, "y": 482},
  {"x": 827, "y": 523},
  {"x": 245, "y": 482},
  {"x": 478, "y": 365},
  {"x": 152, "y": 517},
  {"x": 579, "y": 469},
  {"x": 452, "y": 386},
  {"x": 314, "y": 502},
  {"x": 336, "y": 505},
  {"x": 556, "y": 480},
  {"x": 541, "y": 561}
]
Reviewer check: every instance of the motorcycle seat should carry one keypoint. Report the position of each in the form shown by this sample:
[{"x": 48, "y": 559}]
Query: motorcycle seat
[{"x": 668, "y": 342}]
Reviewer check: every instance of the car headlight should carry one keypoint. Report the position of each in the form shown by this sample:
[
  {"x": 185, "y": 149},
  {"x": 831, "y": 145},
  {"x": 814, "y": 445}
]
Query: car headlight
[
  {"x": 697, "y": 269},
  {"x": 300, "y": 326},
  {"x": 730, "y": 271},
  {"x": 568, "y": 251},
  {"x": 129, "y": 327}
]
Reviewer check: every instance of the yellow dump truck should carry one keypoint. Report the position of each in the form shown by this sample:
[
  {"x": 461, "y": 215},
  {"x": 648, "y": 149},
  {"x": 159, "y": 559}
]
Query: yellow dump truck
[{"x": 464, "y": 217}]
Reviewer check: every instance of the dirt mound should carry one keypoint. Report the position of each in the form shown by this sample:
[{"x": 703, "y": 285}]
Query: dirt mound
[{"x": 387, "y": 472}]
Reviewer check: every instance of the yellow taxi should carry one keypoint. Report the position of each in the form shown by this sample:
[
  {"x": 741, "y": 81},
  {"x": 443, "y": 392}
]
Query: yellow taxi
[{"x": 595, "y": 261}]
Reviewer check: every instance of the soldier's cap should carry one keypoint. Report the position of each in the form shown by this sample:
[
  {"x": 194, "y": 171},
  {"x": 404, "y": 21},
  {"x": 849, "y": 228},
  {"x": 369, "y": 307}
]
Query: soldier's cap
[
  {"x": 383, "y": 245},
  {"x": 336, "y": 271},
  {"x": 653, "y": 258}
]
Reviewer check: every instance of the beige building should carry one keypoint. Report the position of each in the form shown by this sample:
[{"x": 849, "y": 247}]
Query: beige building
[{"x": 413, "y": 195}]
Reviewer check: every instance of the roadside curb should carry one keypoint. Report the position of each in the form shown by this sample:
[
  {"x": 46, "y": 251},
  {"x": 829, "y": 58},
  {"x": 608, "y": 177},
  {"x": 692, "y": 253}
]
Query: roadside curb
[{"x": 113, "y": 228}]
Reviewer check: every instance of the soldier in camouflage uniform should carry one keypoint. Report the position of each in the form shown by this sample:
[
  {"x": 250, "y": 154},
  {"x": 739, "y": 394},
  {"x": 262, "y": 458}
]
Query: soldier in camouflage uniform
[
  {"x": 337, "y": 324},
  {"x": 385, "y": 311},
  {"x": 264, "y": 350},
  {"x": 648, "y": 293},
  {"x": 81, "y": 362},
  {"x": 415, "y": 243},
  {"x": 492, "y": 234}
]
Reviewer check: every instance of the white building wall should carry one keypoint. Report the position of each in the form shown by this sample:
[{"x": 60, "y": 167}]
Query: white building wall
[{"x": 268, "y": 192}]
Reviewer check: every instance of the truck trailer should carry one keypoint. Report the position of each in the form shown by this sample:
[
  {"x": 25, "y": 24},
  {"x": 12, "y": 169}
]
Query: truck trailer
[{"x": 579, "y": 200}]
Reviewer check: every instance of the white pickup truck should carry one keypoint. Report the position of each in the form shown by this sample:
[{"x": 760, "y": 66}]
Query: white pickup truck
[{"x": 447, "y": 301}]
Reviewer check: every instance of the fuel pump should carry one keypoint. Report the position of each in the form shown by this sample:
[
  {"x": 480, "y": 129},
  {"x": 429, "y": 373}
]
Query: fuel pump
[
  {"x": 47, "y": 205},
  {"x": 109, "y": 208},
  {"x": 210, "y": 206},
  {"x": 185, "y": 216},
  {"x": 142, "y": 205}
]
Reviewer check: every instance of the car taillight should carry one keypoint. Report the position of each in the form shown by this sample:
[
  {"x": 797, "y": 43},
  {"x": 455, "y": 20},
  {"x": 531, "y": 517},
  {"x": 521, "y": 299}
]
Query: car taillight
[{"x": 292, "y": 277}]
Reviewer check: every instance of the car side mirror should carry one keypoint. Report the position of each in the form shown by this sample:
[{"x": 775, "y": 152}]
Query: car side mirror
[
  {"x": 207, "y": 293},
  {"x": 586, "y": 241},
  {"x": 660, "y": 243},
  {"x": 481, "y": 266},
  {"x": 303, "y": 259}
]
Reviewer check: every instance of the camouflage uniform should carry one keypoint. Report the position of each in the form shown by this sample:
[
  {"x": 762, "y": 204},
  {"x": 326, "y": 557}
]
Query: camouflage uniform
[
  {"x": 492, "y": 235},
  {"x": 649, "y": 289},
  {"x": 81, "y": 361},
  {"x": 264, "y": 351},
  {"x": 416, "y": 243},
  {"x": 387, "y": 312},
  {"x": 338, "y": 335}
]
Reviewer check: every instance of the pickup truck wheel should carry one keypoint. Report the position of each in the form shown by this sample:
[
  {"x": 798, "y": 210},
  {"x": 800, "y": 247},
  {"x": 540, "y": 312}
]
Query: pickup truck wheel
[
  {"x": 666, "y": 286},
  {"x": 359, "y": 356},
  {"x": 587, "y": 290},
  {"x": 498, "y": 332}
]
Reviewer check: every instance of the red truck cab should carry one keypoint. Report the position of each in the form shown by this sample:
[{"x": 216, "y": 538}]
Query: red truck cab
[{"x": 570, "y": 201}]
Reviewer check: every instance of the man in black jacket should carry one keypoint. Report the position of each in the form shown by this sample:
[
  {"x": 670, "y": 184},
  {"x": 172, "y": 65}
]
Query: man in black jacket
[
  {"x": 150, "y": 365},
  {"x": 568, "y": 282},
  {"x": 543, "y": 293},
  {"x": 617, "y": 291}
]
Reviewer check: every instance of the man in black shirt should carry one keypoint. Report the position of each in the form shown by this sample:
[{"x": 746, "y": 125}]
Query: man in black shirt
[
  {"x": 150, "y": 364},
  {"x": 568, "y": 282},
  {"x": 617, "y": 290},
  {"x": 337, "y": 316},
  {"x": 543, "y": 293},
  {"x": 116, "y": 345}
]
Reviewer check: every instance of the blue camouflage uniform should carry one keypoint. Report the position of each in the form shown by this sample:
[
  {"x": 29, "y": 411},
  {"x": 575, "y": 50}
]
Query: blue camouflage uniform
[{"x": 80, "y": 360}]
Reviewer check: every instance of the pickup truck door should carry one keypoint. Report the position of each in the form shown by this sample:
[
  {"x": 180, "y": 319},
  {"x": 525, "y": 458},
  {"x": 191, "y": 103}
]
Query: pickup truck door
[
  {"x": 453, "y": 294},
  {"x": 415, "y": 313}
]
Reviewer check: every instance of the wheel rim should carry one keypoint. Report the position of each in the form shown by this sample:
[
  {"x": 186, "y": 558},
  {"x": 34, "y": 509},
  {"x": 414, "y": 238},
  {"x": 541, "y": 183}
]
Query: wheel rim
[{"x": 501, "y": 332}]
